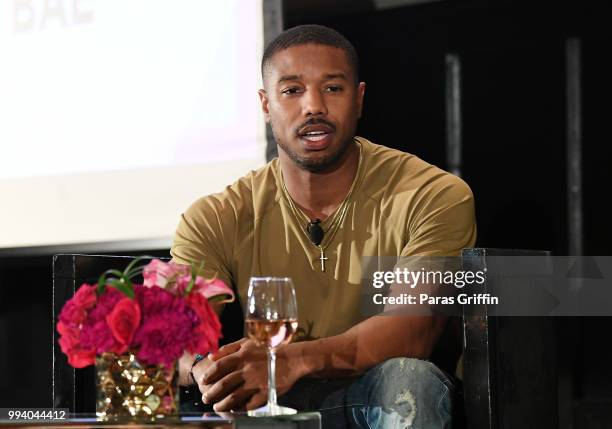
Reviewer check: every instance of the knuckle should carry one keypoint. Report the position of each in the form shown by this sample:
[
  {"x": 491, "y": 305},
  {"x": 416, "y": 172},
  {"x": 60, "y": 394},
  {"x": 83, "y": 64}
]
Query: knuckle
[
  {"x": 206, "y": 392},
  {"x": 200, "y": 381}
]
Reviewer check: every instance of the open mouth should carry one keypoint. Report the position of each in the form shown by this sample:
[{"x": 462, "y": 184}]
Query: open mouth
[{"x": 316, "y": 137}]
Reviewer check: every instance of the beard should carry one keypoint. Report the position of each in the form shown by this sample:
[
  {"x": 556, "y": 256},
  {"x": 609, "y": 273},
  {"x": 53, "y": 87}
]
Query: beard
[{"x": 315, "y": 164}]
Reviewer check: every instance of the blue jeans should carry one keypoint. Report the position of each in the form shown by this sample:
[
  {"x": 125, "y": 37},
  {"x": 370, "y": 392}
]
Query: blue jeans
[{"x": 398, "y": 393}]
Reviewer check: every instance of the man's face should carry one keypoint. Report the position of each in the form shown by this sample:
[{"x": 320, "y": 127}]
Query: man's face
[{"x": 312, "y": 102}]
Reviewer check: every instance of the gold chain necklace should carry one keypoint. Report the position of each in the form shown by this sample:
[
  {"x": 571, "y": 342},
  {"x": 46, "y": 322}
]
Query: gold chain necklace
[{"x": 338, "y": 216}]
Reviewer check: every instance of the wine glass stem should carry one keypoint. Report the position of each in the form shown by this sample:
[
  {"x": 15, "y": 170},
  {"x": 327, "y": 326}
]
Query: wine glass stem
[{"x": 272, "y": 378}]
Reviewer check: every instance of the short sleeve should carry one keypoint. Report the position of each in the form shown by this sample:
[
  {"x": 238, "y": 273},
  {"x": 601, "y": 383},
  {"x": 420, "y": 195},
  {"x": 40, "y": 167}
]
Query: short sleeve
[
  {"x": 443, "y": 220},
  {"x": 204, "y": 235}
]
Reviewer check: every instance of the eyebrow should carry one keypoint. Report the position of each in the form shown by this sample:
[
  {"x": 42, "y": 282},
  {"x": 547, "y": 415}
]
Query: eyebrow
[
  {"x": 328, "y": 76},
  {"x": 339, "y": 75},
  {"x": 288, "y": 78}
]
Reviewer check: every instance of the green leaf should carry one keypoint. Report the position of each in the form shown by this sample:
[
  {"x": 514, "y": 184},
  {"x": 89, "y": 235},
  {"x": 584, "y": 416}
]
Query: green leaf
[
  {"x": 196, "y": 269},
  {"x": 123, "y": 287},
  {"x": 135, "y": 273},
  {"x": 194, "y": 274},
  {"x": 190, "y": 286},
  {"x": 119, "y": 282},
  {"x": 131, "y": 265},
  {"x": 219, "y": 298},
  {"x": 101, "y": 284},
  {"x": 117, "y": 273}
]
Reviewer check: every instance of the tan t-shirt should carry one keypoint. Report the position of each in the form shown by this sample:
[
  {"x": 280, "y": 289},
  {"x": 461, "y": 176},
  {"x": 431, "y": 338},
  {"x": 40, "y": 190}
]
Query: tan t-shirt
[{"x": 401, "y": 206}]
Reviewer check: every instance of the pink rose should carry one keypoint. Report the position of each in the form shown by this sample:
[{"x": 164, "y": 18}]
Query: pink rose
[
  {"x": 207, "y": 288},
  {"x": 162, "y": 274},
  {"x": 182, "y": 282},
  {"x": 85, "y": 296},
  {"x": 216, "y": 287},
  {"x": 124, "y": 320}
]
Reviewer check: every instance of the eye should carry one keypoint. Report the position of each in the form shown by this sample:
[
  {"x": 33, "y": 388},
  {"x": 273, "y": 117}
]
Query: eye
[
  {"x": 334, "y": 88},
  {"x": 290, "y": 90}
]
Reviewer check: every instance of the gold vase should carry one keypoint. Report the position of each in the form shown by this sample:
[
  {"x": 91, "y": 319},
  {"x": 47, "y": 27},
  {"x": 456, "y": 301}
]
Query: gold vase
[{"x": 127, "y": 389}]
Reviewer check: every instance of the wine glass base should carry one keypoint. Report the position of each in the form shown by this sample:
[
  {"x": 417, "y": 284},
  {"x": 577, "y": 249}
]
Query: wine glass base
[{"x": 268, "y": 410}]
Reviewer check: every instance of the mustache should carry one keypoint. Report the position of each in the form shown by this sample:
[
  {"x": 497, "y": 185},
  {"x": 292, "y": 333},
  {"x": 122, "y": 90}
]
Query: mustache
[{"x": 315, "y": 121}]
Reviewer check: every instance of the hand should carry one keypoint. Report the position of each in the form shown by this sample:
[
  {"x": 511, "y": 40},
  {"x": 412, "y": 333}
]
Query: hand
[{"x": 236, "y": 377}]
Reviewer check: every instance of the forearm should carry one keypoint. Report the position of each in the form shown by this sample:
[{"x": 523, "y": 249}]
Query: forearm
[{"x": 367, "y": 344}]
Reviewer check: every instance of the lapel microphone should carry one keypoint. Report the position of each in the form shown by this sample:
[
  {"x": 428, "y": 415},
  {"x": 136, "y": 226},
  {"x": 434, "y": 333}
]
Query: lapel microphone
[{"x": 315, "y": 232}]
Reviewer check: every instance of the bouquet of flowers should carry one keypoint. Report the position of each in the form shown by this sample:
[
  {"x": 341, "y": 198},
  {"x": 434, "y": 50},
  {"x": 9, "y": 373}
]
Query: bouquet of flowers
[{"x": 156, "y": 321}]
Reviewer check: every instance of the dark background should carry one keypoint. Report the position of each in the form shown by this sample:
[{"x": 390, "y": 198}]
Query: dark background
[{"x": 514, "y": 120}]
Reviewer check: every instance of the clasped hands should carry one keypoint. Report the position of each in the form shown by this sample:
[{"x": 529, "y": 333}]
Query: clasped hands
[{"x": 235, "y": 378}]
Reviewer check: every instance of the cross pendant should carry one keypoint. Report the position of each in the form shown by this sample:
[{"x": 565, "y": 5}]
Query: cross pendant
[{"x": 322, "y": 258}]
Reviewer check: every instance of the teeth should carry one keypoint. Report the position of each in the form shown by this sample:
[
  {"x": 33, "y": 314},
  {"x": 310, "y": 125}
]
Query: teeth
[
  {"x": 315, "y": 138},
  {"x": 314, "y": 133}
]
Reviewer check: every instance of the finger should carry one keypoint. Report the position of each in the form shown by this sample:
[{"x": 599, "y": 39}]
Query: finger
[
  {"x": 219, "y": 390},
  {"x": 219, "y": 369},
  {"x": 226, "y": 350},
  {"x": 257, "y": 400},
  {"x": 226, "y": 415},
  {"x": 235, "y": 401}
]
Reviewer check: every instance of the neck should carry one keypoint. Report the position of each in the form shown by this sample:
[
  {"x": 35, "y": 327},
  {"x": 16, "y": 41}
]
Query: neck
[{"x": 320, "y": 194}]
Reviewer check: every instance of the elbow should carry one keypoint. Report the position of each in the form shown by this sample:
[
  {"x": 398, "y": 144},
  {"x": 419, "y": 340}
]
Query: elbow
[
  {"x": 425, "y": 336},
  {"x": 420, "y": 350}
]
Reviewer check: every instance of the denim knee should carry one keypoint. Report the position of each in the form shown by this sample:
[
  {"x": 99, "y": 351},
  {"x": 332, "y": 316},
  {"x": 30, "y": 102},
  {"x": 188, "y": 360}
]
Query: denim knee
[{"x": 406, "y": 392}]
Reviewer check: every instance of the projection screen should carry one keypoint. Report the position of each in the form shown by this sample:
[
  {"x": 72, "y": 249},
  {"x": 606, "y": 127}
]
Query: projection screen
[{"x": 115, "y": 115}]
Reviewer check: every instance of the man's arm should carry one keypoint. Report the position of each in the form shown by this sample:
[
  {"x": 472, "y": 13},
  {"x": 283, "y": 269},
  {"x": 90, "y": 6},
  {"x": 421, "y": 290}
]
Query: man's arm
[
  {"x": 236, "y": 378},
  {"x": 199, "y": 238},
  {"x": 367, "y": 344}
]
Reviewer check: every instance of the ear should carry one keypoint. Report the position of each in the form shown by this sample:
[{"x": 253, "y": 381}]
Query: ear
[
  {"x": 263, "y": 97},
  {"x": 360, "y": 93}
]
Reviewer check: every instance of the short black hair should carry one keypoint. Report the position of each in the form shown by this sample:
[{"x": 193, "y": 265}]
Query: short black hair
[{"x": 306, "y": 34}]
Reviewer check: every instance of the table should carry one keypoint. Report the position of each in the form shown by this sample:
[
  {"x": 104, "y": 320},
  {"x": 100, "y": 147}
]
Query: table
[{"x": 208, "y": 421}]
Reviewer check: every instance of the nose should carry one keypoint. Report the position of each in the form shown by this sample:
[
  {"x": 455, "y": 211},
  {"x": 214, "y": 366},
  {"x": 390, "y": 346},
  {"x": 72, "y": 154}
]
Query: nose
[{"x": 314, "y": 103}]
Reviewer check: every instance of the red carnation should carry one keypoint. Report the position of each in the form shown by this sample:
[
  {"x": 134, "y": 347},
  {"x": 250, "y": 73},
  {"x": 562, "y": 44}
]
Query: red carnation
[
  {"x": 73, "y": 313},
  {"x": 85, "y": 296},
  {"x": 80, "y": 358},
  {"x": 69, "y": 337},
  {"x": 69, "y": 342}
]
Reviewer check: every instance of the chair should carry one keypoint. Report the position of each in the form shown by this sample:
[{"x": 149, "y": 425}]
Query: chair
[{"x": 509, "y": 363}]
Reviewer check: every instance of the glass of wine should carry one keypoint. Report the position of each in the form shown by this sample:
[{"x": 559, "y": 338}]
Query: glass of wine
[{"x": 271, "y": 320}]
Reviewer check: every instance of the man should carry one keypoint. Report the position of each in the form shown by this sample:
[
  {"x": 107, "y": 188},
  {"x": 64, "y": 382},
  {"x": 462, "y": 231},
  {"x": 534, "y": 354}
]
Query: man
[{"x": 368, "y": 200}]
